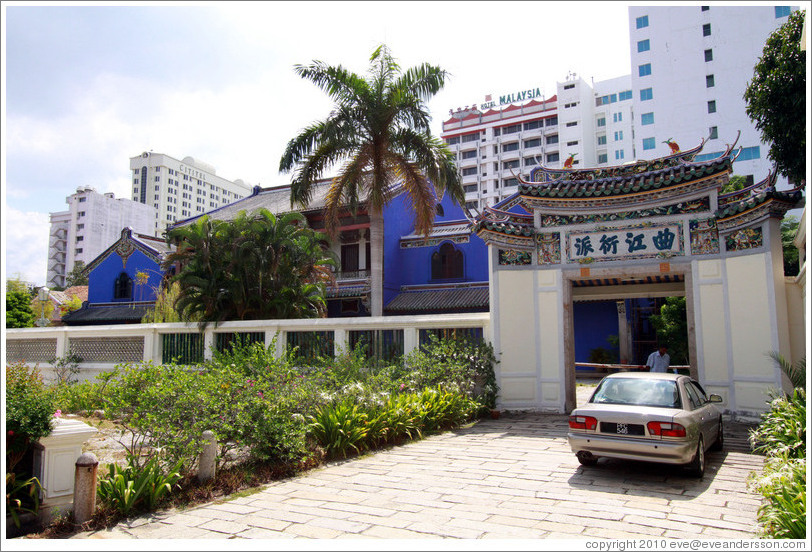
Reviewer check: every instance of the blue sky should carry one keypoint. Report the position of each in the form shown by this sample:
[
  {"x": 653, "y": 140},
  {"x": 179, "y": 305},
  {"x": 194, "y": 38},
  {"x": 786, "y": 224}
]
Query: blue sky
[{"x": 87, "y": 87}]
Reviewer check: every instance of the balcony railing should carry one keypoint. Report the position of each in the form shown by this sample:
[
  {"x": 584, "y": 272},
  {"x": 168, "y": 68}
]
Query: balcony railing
[{"x": 345, "y": 275}]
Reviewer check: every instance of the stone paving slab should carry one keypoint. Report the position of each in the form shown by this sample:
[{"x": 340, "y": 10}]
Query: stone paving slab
[{"x": 511, "y": 478}]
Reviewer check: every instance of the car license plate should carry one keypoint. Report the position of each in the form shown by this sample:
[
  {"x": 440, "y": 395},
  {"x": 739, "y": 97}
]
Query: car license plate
[{"x": 621, "y": 428}]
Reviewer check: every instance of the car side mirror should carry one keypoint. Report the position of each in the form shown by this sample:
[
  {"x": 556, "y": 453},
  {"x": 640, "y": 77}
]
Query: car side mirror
[{"x": 714, "y": 398}]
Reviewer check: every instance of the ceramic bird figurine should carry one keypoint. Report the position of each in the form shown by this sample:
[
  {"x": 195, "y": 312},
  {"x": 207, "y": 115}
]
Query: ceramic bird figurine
[{"x": 671, "y": 144}]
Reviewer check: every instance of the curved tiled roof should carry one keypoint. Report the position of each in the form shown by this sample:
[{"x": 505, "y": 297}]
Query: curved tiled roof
[
  {"x": 657, "y": 180},
  {"x": 506, "y": 227},
  {"x": 621, "y": 185},
  {"x": 749, "y": 191},
  {"x": 790, "y": 198}
]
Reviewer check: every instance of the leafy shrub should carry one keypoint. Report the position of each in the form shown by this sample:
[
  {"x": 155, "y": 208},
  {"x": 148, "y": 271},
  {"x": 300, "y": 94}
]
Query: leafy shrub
[
  {"x": 263, "y": 408},
  {"x": 781, "y": 436},
  {"x": 21, "y": 496},
  {"x": 66, "y": 368},
  {"x": 782, "y": 431},
  {"x": 18, "y": 309},
  {"x": 252, "y": 358},
  {"x": 346, "y": 425},
  {"x": 464, "y": 364},
  {"x": 84, "y": 395},
  {"x": 347, "y": 368},
  {"x": 29, "y": 410},
  {"x": 29, "y": 414},
  {"x": 339, "y": 428},
  {"x": 135, "y": 487},
  {"x": 156, "y": 405},
  {"x": 783, "y": 515},
  {"x": 170, "y": 406},
  {"x": 671, "y": 325}
]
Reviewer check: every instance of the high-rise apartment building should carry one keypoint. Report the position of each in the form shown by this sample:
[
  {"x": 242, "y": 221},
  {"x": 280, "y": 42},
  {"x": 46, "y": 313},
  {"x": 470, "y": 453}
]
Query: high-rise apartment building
[
  {"x": 690, "y": 68},
  {"x": 91, "y": 224},
  {"x": 180, "y": 189}
]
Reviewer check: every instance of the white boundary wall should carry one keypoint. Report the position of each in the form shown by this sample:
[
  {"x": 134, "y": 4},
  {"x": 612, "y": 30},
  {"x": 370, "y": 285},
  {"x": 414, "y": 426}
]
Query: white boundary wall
[{"x": 43, "y": 344}]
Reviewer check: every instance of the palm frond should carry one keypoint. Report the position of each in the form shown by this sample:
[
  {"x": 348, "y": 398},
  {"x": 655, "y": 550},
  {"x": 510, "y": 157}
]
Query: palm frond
[
  {"x": 324, "y": 156},
  {"x": 336, "y": 126},
  {"x": 345, "y": 187},
  {"x": 423, "y": 81},
  {"x": 432, "y": 156},
  {"x": 420, "y": 192},
  {"x": 383, "y": 67},
  {"x": 795, "y": 372},
  {"x": 340, "y": 84},
  {"x": 385, "y": 116}
]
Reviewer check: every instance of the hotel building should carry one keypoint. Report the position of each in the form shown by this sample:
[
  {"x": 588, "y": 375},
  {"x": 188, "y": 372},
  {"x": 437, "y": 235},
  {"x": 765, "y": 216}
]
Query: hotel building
[
  {"x": 494, "y": 145},
  {"x": 180, "y": 189}
]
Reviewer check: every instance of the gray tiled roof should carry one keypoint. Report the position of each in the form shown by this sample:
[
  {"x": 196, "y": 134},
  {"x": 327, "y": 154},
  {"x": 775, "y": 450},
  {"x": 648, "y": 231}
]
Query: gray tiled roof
[
  {"x": 445, "y": 299},
  {"x": 156, "y": 243},
  {"x": 276, "y": 200},
  {"x": 126, "y": 313}
]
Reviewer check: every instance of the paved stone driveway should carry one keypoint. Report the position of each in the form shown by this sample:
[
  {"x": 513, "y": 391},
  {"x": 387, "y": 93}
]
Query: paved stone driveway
[{"x": 509, "y": 478}]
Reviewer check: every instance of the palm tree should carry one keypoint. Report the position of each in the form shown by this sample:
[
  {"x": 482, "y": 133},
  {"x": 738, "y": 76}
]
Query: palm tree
[
  {"x": 379, "y": 139},
  {"x": 198, "y": 277},
  {"x": 254, "y": 267}
]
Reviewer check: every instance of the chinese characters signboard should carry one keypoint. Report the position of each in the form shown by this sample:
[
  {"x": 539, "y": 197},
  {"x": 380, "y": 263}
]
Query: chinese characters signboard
[{"x": 632, "y": 242}]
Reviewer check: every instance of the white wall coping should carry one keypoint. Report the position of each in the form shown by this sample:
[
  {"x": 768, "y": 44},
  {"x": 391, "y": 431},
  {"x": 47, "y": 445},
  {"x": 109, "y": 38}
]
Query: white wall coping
[
  {"x": 66, "y": 432},
  {"x": 369, "y": 322}
]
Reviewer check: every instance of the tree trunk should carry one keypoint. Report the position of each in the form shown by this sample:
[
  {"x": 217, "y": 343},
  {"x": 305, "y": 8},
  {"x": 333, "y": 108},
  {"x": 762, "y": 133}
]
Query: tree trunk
[{"x": 376, "y": 252}]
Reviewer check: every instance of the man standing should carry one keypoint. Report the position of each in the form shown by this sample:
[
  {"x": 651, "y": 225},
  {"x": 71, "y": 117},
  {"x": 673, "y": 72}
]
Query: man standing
[{"x": 658, "y": 361}]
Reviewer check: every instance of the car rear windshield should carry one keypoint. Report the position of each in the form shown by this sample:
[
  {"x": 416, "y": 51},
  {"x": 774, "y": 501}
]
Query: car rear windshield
[{"x": 640, "y": 392}]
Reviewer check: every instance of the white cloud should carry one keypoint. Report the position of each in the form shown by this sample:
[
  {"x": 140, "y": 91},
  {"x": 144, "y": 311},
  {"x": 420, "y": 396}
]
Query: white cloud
[{"x": 26, "y": 245}]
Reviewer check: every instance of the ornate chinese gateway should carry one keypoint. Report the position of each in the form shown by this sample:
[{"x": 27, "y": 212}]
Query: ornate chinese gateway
[
  {"x": 644, "y": 222},
  {"x": 659, "y": 209}
]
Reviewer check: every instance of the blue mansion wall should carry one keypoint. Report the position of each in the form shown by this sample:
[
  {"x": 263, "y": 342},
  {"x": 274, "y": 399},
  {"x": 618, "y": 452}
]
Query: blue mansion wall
[
  {"x": 594, "y": 322},
  {"x": 412, "y": 265},
  {"x": 101, "y": 280},
  {"x": 114, "y": 293}
]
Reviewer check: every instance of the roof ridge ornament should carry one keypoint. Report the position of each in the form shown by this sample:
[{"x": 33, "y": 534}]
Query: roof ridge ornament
[
  {"x": 542, "y": 175},
  {"x": 671, "y": 144}
]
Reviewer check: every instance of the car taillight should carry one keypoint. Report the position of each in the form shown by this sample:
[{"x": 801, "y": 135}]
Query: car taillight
[
  {"x": 666, "y": 429},
  {"x": 583, "y": 422}
]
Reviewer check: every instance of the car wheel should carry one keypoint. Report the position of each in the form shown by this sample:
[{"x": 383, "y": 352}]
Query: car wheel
[
  {"x": 697, "y": 466},
  {"x": 586, "y": 458},
  {"x": 719, "y": 444}
]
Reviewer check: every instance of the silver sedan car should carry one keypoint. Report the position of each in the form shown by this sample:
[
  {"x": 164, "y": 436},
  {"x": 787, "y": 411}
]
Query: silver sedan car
[{"x": 652, "y": 417}]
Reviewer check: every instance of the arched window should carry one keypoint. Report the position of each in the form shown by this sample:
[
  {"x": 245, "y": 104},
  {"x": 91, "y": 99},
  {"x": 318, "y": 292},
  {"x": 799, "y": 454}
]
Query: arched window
[
  {"x": 447, "y": 263},
  {"x": 123, "y": 288}
]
